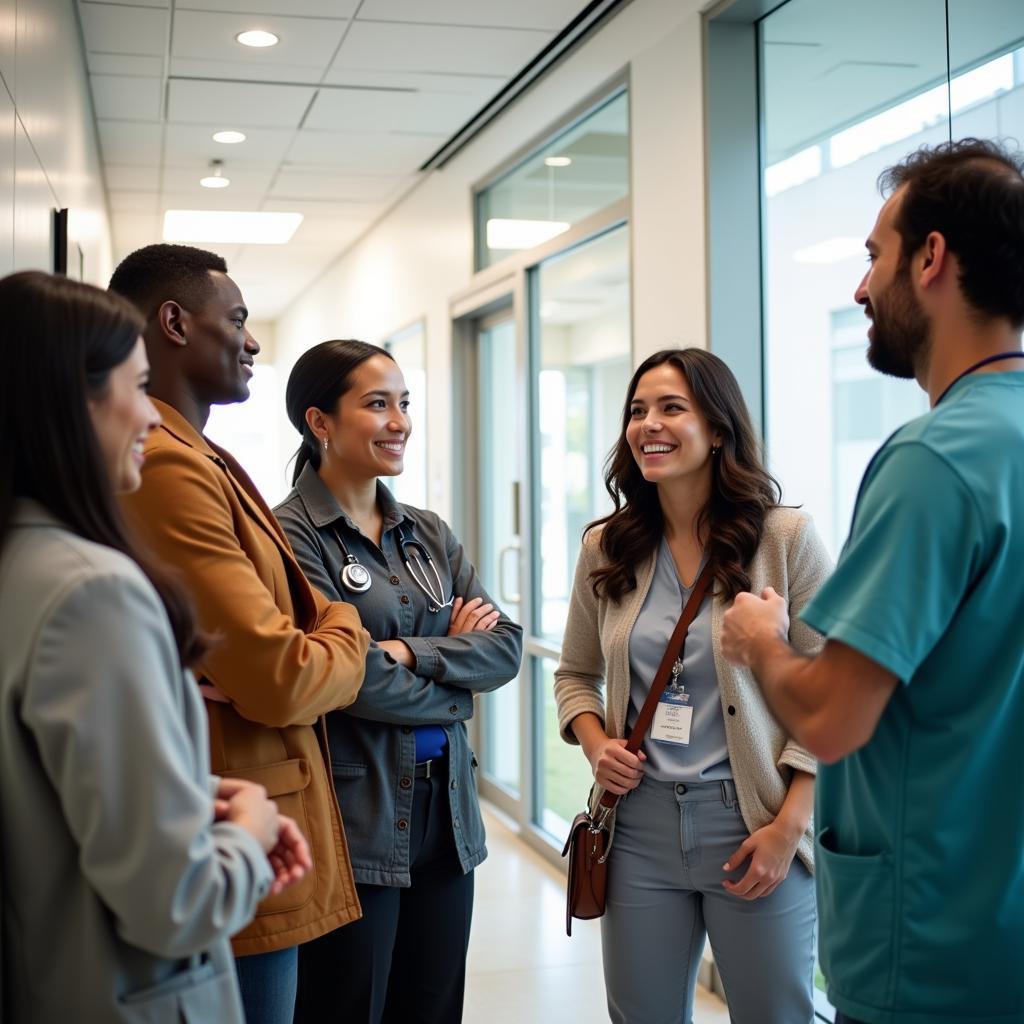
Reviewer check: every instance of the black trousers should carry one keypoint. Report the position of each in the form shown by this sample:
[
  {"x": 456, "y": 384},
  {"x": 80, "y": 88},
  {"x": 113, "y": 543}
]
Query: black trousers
[{"x": 405, "y": 959}]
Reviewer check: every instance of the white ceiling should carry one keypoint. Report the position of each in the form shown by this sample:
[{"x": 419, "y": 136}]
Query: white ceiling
[{"x": 338, "y": 116}]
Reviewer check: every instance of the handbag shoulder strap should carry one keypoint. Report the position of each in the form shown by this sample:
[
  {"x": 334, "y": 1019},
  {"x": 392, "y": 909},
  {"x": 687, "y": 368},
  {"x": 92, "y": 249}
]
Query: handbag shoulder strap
[{"x": 673, "y": 650}]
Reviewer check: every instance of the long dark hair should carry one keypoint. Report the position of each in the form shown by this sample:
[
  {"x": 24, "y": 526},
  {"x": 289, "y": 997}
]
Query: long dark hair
[
  {"x": 318, "y": 379},
  {"x": 59, "y": 342},
  {"x": 742, "y": 490}
]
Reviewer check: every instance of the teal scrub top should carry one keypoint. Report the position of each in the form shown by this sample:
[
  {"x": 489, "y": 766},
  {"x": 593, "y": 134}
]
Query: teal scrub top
[{"x": 920, "y": 845}]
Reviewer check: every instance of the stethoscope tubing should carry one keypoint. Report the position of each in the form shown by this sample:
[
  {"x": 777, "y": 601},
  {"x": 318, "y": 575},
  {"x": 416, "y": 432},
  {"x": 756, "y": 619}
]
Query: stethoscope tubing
[{"x": 355, "y": 578}]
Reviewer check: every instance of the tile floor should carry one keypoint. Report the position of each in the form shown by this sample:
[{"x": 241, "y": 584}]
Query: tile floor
[{"x": 522, "y": 967}]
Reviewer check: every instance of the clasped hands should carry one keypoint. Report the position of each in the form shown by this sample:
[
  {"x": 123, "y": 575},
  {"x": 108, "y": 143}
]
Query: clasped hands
[{"x": 246, "y": 804}]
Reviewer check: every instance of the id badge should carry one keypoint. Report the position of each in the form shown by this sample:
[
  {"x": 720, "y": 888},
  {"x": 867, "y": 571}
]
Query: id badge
[{"x": 672, "y": 717}]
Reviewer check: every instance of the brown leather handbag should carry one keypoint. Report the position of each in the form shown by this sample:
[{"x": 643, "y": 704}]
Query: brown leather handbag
[{"x": 587, "y": 846}]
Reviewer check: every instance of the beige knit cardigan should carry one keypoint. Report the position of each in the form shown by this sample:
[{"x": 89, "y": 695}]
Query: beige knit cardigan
[{"x": 595, "y": 653}]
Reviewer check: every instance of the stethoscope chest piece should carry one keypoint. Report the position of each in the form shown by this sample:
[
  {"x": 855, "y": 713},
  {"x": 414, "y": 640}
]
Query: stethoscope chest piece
[{"x": 355, "y": 577}]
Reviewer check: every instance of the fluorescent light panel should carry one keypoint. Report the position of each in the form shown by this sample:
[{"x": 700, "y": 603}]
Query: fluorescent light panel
[
  {"x": 509, "y": 233},
  {"x": 238, "y": 226}
]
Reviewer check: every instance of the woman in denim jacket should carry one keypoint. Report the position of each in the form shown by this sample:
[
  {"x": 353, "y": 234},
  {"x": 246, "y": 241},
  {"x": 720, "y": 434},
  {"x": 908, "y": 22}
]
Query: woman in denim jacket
[{"x": 400, "y": 758}]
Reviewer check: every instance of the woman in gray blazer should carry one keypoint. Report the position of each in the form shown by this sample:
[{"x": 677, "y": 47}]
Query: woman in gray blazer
[
  {"x": 713, "y": 834},
  {"x": 402, "y": 766},
  {"x": 125, "y": 866}
]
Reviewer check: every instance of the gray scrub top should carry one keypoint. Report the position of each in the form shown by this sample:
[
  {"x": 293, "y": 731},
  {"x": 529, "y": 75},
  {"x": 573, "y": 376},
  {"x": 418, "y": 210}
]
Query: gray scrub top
[{"x": 706, "y": 758}]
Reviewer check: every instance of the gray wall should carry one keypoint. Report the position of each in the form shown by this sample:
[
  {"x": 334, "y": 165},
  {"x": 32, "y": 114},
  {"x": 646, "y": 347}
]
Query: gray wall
[{"x": 49, "y": 155}]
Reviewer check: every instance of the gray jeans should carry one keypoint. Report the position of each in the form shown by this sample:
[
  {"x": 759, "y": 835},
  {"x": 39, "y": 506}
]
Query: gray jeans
[{"x": 665, "y": 894}]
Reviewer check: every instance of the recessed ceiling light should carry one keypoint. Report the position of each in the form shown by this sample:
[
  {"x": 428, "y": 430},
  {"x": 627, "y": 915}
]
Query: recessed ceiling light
[
  {"x": 239, "y": 226},
  {"x": 257, "y": 37},
  {"x": 558, "y": 161},
  {"x": 229, "y": 138},
  {"x": 217, "y": 179}
]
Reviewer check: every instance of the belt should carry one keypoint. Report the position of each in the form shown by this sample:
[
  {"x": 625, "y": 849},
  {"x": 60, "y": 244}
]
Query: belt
[{"x": 434, "y": 766}]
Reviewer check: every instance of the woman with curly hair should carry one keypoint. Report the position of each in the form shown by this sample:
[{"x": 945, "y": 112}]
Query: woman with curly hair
[{"x": 713, "y": 832}]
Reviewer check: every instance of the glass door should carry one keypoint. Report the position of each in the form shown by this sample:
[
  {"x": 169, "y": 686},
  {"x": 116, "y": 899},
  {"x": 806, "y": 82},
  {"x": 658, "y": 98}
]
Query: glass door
[
  {"x": 500, "y": 541},
  {"x": 542, "y": 361},
  {"x": 580, "y": 365}
]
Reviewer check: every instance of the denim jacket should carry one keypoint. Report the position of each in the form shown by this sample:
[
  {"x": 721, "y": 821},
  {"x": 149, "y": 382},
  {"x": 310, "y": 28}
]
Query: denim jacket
[{"x": 373, "y": 749}]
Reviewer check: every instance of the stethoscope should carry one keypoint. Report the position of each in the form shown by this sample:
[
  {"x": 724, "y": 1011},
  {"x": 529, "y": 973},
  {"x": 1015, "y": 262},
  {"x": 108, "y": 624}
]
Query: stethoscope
[{"x": 356, "y": 578}]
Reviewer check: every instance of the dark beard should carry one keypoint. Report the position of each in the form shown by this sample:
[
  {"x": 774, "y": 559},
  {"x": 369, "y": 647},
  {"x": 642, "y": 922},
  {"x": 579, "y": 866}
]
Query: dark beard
[{"x": 901, "y": 335}]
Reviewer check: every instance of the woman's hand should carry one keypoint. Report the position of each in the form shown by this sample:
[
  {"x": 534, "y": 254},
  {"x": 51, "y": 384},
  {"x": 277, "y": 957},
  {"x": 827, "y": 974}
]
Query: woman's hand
[
  {"x": 247, "y": 805},
  {"x": 771, "y": 850},
  {"x": 472, "y": 615},
  {"x": 614, "y": 767},
  {"x": 290, "y": 858}
]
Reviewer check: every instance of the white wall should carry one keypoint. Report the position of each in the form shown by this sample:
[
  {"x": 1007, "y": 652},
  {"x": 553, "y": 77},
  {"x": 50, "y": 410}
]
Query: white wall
[
  {"x": 48, "y": 151},
  {"x": 421, "y": 254}
]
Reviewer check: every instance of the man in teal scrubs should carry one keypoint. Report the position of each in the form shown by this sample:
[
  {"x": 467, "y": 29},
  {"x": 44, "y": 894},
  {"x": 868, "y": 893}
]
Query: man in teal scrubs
[{"x": 917, "y": 701}]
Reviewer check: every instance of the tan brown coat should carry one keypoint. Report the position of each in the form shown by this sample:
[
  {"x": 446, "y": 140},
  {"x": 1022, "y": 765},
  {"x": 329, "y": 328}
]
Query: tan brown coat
[{"x": 283, "y": 655}]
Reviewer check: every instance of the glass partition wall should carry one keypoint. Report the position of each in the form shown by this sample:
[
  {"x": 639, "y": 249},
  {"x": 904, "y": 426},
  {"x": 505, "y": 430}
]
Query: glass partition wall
[
  {"x": 839, "y": 102},
  {"x": 841, "y": 92},
  {"x": 543, "y": 380}
]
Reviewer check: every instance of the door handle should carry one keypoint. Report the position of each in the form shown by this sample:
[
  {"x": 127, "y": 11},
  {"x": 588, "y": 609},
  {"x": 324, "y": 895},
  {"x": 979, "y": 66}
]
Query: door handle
[{"x": 503, "y": 591}]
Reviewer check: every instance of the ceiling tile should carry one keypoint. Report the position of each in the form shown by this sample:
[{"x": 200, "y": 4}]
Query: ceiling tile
[
  {"x": 332, "y": 232},
  {"x": 118, "y": 97},
  {"x": 378, "y": 46},
  {"x": 187, "y": 144},
  {"x": 133, "y": 179},
  {"x": 225, "y": 70},
  {"x": 308, "y": 42},
  {"x": 553, "y": 15},
  {"x": 361, "y": 188},
  {"x": 367, "y": 110},
  {"x": 125, "y": 64},
  {"x": 125, "y": 142},
  {"x": 114, "y": 28},
  {"x": 299, "y": 8},
  {"x": 336, "y": 210},
  {"x": 129, "y": 3},
  {"x": 425, "y": 81},
  {"x": 376, "y": 151},
  {"x": 221, "y": 103},
  {"x": 134, "y": 202}
]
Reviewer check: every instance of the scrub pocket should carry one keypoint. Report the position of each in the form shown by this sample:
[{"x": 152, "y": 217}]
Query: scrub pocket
[
  {"x": 199, "y": 995},
  {"x": 857, "y": 909},
  {"x": 286, "y": 783}
]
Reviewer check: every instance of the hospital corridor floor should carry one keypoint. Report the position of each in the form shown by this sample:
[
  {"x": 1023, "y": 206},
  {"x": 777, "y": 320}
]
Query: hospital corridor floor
[{"x": 522, "y": 967}]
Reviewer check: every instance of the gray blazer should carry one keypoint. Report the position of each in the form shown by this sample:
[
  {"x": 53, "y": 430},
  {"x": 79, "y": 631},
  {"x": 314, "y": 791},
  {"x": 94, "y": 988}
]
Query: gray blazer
[
  {"x": 119, "y": 895},
  {"x": 372, "y": 742},
  {"x": 595, "y": 653}
]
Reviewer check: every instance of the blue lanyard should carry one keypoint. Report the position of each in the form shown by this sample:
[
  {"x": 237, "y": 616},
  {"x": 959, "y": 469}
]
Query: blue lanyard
[{"x": 999, "y": 357}]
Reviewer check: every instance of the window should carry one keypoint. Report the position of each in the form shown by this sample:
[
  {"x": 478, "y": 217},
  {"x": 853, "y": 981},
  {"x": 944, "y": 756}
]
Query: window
[
  {"x": 252, "y": 432},
  {"x": 840, "y": 102},
  {"x": 580, "y": 171}
]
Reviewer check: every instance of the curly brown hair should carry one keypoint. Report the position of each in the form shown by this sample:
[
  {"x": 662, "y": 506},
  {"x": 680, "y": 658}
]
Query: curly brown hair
[{"x": 742, "y": 490}]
